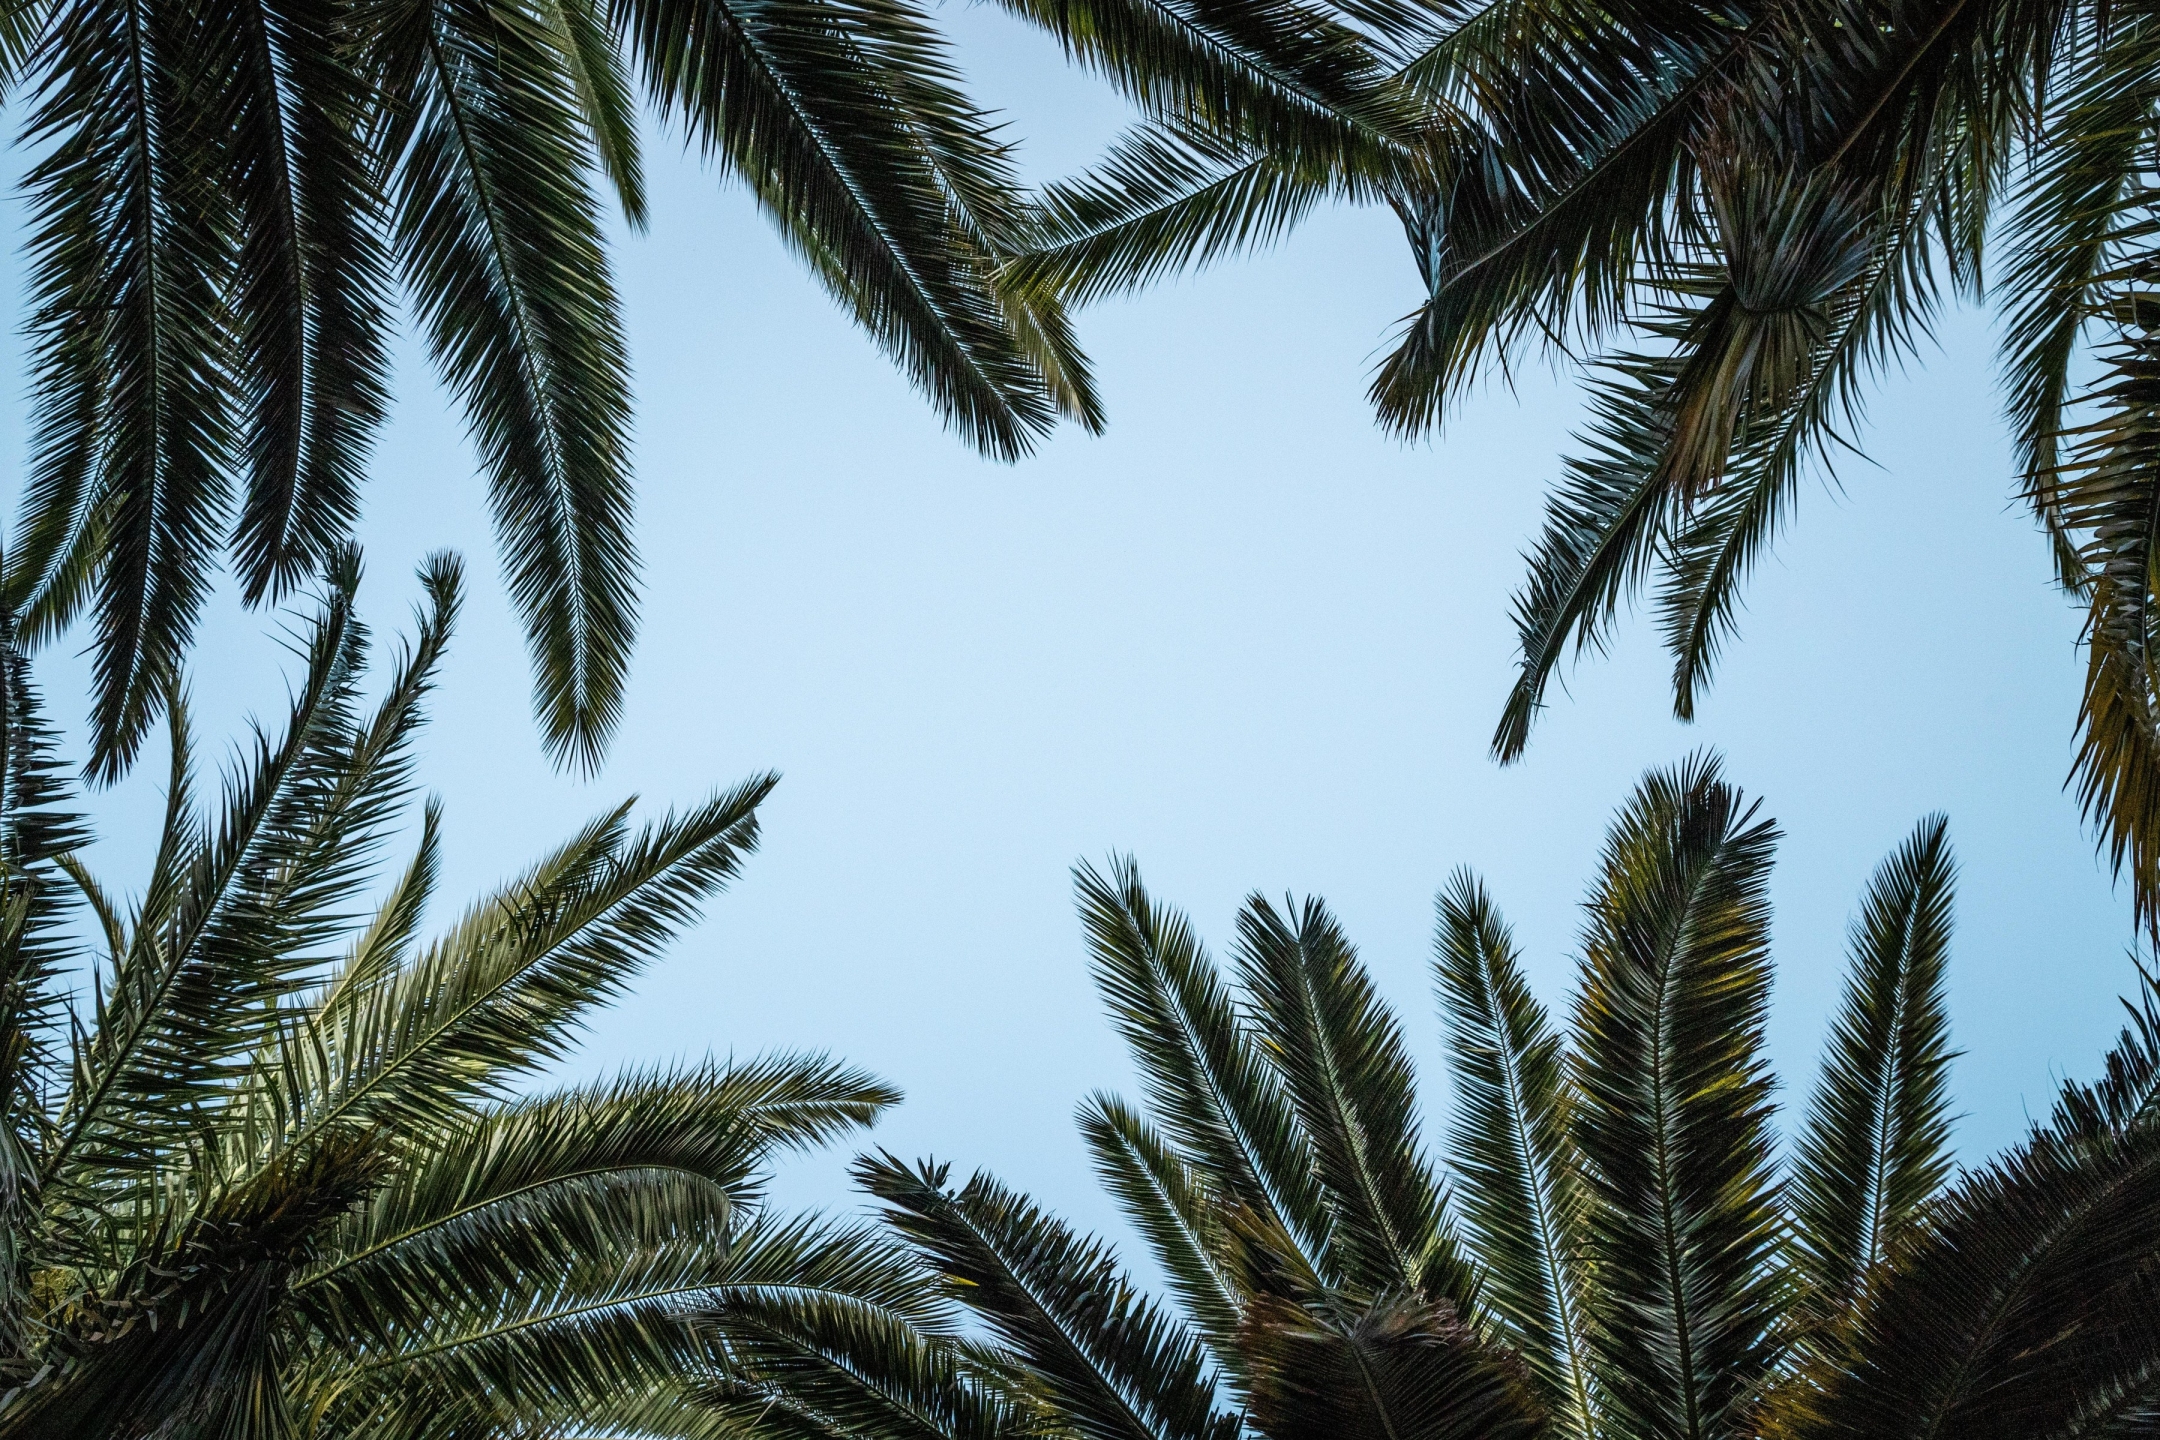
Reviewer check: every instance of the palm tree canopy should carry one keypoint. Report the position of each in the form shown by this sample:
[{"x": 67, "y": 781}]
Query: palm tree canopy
[
  {"x": 229, "y": 200},
  {"x": 1738, "y": 213},
  {"x": 278, "y": 1168},
  {"x": 1615, "y": 1248}
]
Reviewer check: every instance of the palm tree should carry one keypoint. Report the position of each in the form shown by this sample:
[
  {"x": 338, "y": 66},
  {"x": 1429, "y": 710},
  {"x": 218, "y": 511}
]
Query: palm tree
[
  {"x": 228, "y": 200},
  {"x": 279, "y": 1170},
  {"x": 1739, "y": 212},
  {"x": 1617, "y": 1251}
]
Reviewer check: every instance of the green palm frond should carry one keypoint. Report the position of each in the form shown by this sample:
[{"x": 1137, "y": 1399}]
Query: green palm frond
[
  {"x": 499, "y": 232},
  {"x": 532, "y": 1186},
  {"x": 845, "y": 122},
  {"x": 1603, "y": 527},
  {"x": 1162, "y": 202},
  {"x": 311, "y": 328},
  {"x": 1673, "y": 1115},
  {"x": 1875, "y": 1152},
  {"x": 207, "y": 960},
  {"x": 833, "y": 1365},
  {"x": 1209, "y": 1088},
  {"x": 1171, "y": 1203},
  {"x": 1522, "y": 1192},
  {"x": 501, "y": 994},
  {"x": 264, "y": 1194},
  {"x": 1286, "y": 77},
  {"x": 2026, "y": 1308},
  {"x": 1115, "y": 1365},
  {"x": 132, "y": 426},
  {"x": 1344, "y": 1065}
]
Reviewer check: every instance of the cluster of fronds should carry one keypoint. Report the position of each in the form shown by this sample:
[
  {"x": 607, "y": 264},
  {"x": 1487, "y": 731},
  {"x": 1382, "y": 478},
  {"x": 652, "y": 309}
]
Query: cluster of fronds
[
  {"x": 1616, "y": 1250},
  {"x": 230, "y": 197},
  {"x": 1739, "y": 213},
  {"x": 276, "y": 1167}
]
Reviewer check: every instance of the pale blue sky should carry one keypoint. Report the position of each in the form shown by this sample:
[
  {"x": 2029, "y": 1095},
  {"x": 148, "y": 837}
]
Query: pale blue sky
[{"x": 1243, "y": 636}]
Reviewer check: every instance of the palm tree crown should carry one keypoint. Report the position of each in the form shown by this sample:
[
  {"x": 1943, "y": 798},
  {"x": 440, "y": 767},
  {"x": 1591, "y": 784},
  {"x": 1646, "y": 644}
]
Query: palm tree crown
[
  {"x": 279, "y": 1171},
  {"x": 1737, "y": 213},
  {"x": 1616, "y": 1249}
]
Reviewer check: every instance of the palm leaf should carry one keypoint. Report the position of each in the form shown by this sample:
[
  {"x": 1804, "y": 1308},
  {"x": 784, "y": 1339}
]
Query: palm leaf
[
  {"x": 1115, "y": 1366},
  {"x": 1212, "y": 1093},
  {"x": 127, "y": 249},
  {"x": 1674, "y": 1112},
  {"x": 1343, "y": 1063},
  {"x": 1522, "y": 1194},
  {"x": 499, "y": 233},
  {"x": 1875, "y": 1151},
  {"x": 2025, "y": 1309},
  {"x": 846, "y": 123},
  {"x": 1171, "y": 1204},
  {"x": 1399, "y": 1369}
]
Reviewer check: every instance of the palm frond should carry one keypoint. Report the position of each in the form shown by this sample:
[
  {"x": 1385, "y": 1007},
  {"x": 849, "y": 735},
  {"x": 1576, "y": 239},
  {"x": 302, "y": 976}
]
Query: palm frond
[
  {"x": 846, "y": 122},
  {"x": 1170, "y": 1203},
  {"x": 2067, "y": 229},
  {"x": 502, "y": 993},
  {"x": 2026, "y": 1308},
  {"x": 133, "y": 429},
  {"x": 1162, "y": 202},
  {"x": 1876, "y": 1151},
  {"x": 1398, "y": 1369},
  {"x": 310, "y": 357},
  {"x": 207, "y": 961},
  {"x": 1603, "y": 526},
  {"x": 499, "y": 234},
  {"x": 1114, "y": 1364},
  {"x": 832, "y": 1366},
  {"x": 1209, "y": 1089},
  {"x": 1343, "y": 1062},
  {"x": 1286, "y": 77},
  {"x": 1522, "y": 1193},
  {"x": 1674, "y": 1109}
]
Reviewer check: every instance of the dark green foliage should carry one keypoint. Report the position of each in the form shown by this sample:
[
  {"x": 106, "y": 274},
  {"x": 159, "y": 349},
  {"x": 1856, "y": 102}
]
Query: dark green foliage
[
  {"x": 1673, "y": 1110},
  {"x": 253, "y": 1189},
  {"x": 228, "y": 196},
  {"x": 1737, "y": 214},
  {"x": 1618, "y": 1254}
]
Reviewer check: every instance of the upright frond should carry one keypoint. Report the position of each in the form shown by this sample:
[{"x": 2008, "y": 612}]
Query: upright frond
[
  {"x": 1674, "y": 1112},
  {"x": 1522, "y": 1195},
  {"x": 1876, "y": 1149}
]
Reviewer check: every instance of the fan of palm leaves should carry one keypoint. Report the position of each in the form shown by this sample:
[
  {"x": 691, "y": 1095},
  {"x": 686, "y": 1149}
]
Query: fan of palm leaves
[
  {"x": 1615, "y": 1251},
  {"x": 227, "y": 201},
  {"x": 1737, "y": 214},
  {"x": 276, "y": 1166}
]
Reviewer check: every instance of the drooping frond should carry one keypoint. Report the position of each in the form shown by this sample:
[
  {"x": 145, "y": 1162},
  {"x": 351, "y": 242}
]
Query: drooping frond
[
  {"x": 1674, "y": 1109},
  {"x": 131, "y": 420},
  {"x": 846, "y": 122},
  {"x": 499, "y": 235},
  {"x": 1876, "y": 1150},
  {"x": 1522, "y": 1195},
  {"x": 309, "y": 298}
]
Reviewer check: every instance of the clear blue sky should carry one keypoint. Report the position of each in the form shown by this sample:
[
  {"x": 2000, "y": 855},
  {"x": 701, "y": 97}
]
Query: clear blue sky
[{"x": 1243, "y": 636}]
